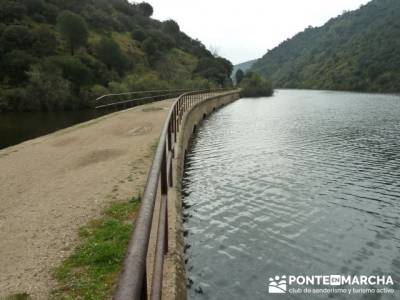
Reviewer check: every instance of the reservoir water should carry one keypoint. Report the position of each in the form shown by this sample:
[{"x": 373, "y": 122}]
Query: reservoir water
[
  {"x": 302, "y": 183},
  {"x": 16, "y": 127}
]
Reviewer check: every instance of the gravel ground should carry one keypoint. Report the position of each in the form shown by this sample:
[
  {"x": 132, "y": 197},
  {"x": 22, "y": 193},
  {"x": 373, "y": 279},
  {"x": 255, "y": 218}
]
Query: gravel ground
[{"x": 52, "y": 185}]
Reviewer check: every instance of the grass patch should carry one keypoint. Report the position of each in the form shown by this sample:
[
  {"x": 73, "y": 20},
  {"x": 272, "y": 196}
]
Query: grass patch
[
  {"x": 21, "y": 296},
  {"x": 91, "y": 271}
]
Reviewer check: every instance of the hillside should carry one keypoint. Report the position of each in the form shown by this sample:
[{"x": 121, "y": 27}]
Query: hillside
[
  {"x": 245, "y": 66},
  {"x": 57, "y": 55},
  {"x": 357, "y": 51}
]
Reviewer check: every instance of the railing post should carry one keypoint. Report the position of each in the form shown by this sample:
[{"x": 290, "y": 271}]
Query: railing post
[
  {"x": 144, "y": 295},
  {"x": 162, "y": 233},
  {"x": 169, "y": 136},
  {"x": 164, "y": 184}
]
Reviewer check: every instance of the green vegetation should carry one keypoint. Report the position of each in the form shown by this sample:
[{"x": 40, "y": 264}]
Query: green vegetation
[
  {"x": 61, "y": 55},
  {"x": 20, "y": 296},
  {"x": 73, "y": 28},
  {"x": 357, "y": 51},
  {"x": 245, "y": 66},
  {"x": 91, "y": 271},
  {"x": 253, "y": 85},
  {"x": 239, "y": 75}
]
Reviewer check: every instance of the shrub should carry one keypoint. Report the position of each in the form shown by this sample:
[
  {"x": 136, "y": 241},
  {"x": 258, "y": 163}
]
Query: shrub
[
  {"x": 13, "y": 99},
  {"x": 97, "y": 18},
  {"x": 35, "y": 6},
  {"x": 11, "y": 10},
  {"x": 117, "y": 87},
  {"x": 97, "y": 91},
  {"x": 47, "y": 89},
  {"x": 98, "y": 69},
  {"x": 50, "y": 13},
  {"x": 74, "y": 71},
  {"x": 122, "y": 5},
  {"x": 213, "y": 70},
  {"x": 171, "y": 27},
  {"x": 45, "y": 41},
  {"x": 126, "y": 22},
  {"x": 150, "y": 47},
  {"x": 253, "y": 85},
  {"x": 145, "y": 82},
  {"x": 139, "y": 35},
  {"x": 16, "y": 37},
  {"x": 15, "y": 64}
]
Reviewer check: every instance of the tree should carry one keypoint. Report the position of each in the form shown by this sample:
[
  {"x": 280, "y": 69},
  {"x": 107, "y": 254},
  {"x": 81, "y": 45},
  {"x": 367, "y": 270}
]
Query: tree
[
  {"x": 73, "y": 28},
  {"x": 15, "y": 64},
  {"x": 239, "y": 76},
  {"x": 126, "y": 22},
  {"x": 111, "y": 55},
  {"x": 146, "y": 9},
  {"x": 171, "y": 27},
  {"x": 98, "y": 18},
  {"x": 45, "y": 41},
  {"x": 11, "y": 10},
  {"x": 217, "y": 69},
  {"x": 122, "y": 5},
  {"x": 16, "y": 37},
  {"x": 139, "y": 35},
  {"x": 150, "y": 47},
  {"x": 50, "y": 12},
  {"x": 74, "y": 71},
  {"x": 47, "y": 87},
  {"x": 253, "y": 85},
  {"x": 226, "y": 64},
  {"x": 35, "y": 6}
]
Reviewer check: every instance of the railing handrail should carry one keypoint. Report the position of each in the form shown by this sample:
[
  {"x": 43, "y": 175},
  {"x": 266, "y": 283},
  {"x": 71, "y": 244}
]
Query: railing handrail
[
  {"x": 132, "y": 282},
  {"x": 134, "y": 100},
  {"x": 139, "y": 92}
]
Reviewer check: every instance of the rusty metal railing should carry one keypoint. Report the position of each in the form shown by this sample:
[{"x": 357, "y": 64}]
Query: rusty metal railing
[
  {"x": 129, "y": 99},
  {"x": 132, "y": 282}
]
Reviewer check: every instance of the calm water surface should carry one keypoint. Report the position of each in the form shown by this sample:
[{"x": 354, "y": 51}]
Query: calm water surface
[
  {"x": 21, "y": 126},
  {"x": 302, "y": 183}
]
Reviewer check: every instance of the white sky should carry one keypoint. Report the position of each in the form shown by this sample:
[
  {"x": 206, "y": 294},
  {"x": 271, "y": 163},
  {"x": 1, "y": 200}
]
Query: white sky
[{"x": 245, "y": 30}]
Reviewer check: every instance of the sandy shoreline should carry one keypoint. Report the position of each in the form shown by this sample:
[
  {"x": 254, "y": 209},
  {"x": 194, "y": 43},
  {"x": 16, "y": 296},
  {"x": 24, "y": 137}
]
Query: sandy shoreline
[{"x": 52, "y": 185}]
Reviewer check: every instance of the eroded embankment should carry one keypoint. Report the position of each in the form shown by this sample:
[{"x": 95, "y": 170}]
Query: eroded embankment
[{"x": 52, "y": 185}]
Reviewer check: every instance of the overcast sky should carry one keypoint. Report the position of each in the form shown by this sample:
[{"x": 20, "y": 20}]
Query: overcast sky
[{"x": 244, "y": 30}]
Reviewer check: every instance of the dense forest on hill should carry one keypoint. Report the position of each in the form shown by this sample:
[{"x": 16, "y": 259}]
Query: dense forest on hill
[
  {"x": 357, "y": 51},
  {"x": 57, "y": 54}
]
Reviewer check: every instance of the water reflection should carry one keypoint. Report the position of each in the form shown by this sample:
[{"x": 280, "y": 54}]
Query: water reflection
[{"x": 20, "y": 126}]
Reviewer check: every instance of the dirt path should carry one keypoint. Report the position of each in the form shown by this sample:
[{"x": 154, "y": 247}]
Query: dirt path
[{"x": 52, "y": 185}]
